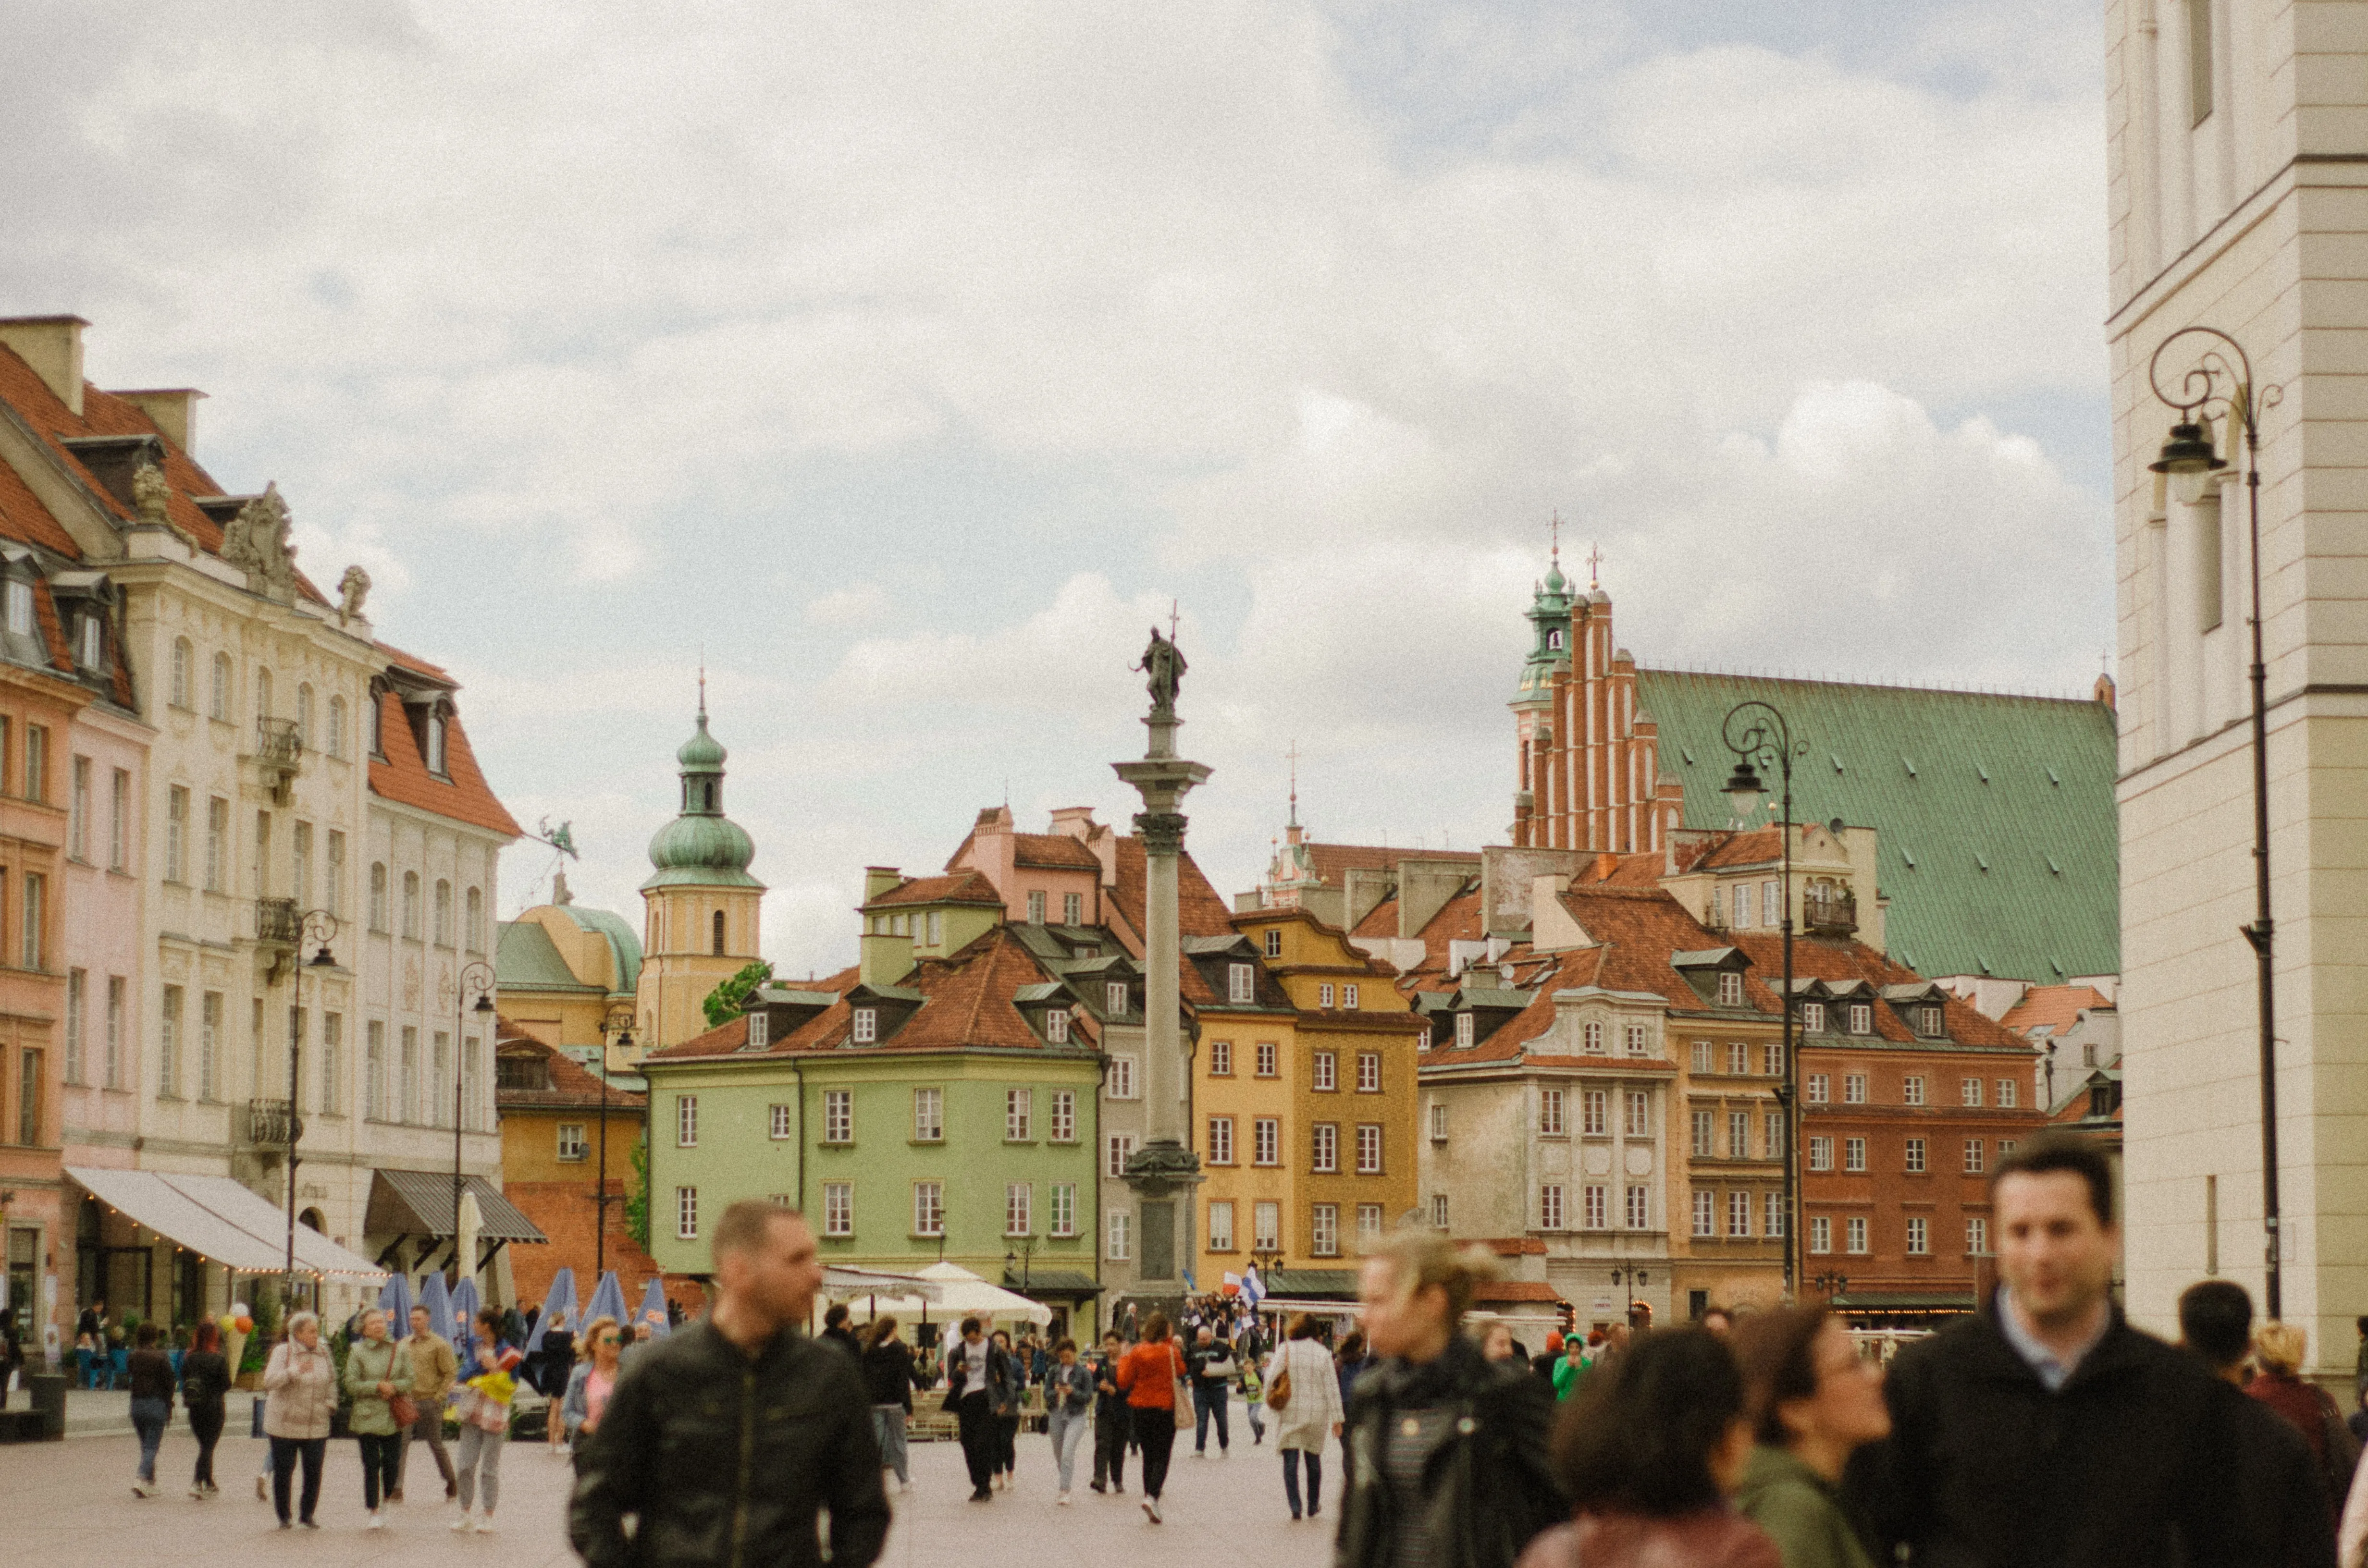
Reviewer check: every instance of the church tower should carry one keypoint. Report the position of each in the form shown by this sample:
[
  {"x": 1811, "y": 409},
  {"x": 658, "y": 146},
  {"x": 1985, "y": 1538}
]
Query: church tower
[{"x": 701, "y": 908}]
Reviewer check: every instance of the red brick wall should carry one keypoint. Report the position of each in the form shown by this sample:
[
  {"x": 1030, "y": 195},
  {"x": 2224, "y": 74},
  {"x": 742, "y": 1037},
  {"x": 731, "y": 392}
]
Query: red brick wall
[{"x": 564, "y": 1211}]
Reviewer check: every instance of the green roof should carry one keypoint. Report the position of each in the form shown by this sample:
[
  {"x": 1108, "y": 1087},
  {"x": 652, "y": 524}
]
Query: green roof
[
  {"x": 1996, "y": 839},
  {"x": 624, "y": 942},
  {"x": 525, "y": 959}
]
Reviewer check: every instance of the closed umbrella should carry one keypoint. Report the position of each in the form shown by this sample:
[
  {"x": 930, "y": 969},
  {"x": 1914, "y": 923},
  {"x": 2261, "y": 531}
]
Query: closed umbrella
[
  {"x": 464, "y": 1319},
  {"x": 608, "y": 1301},
  {"x": 558, "y": 1309},
  {"x": 464, "y": 1245},
  {"x": 438, "y": 1302},
  {"x": 394, "y": 1299},
  {"x": 653, "y": 1309}
]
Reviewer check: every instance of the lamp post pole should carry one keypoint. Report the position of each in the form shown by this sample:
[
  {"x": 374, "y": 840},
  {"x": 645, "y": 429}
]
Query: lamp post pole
[
  {"x": 477, "y": 977},
  {"x": 618, "y": 1024},
  {"x": 2214, "y": 387},
  {"x": 319, "y": 928},
  {"x": 1757, "y": 732}
]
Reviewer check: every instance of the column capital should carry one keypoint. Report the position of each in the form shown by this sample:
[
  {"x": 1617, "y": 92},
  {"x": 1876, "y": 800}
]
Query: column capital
[{"x": 1162, "y": 831}]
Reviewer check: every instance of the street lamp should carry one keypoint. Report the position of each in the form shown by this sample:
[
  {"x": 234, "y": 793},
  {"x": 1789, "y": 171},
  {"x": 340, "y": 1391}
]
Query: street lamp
[
  {"x": 2213, "y": 388},
  {"x": 320, "y": 928},
  {"x": 477, "y": 977},
  {"x": 1831, "y": 1284},
  {"x": 618, "y": 1024},
  {"x": 1026, "y": 1260},
  {"x": 1758, "y": 733},
  {"x": 1631, "y": 1278}
]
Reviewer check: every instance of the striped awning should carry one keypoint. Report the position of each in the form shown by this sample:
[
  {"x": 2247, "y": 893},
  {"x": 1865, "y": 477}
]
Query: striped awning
[{"x": 219, "y": 1219}]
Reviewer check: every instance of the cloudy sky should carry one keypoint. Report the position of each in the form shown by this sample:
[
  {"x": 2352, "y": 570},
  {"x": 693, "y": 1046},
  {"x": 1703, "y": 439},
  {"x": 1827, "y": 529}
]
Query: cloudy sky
[{"x": 906, "y": 361}]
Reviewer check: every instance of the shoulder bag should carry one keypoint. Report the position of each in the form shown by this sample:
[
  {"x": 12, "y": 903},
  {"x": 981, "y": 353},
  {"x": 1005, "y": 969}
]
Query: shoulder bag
[
  {"x": 1180, "y": 1389},
  {"x": 1277, "y": 1387}
]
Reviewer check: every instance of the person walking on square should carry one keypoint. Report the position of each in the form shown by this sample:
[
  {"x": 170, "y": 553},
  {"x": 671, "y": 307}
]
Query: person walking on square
[
  {"x": 2279, "y": 1481},
  {"x": 890, "y": 1379},
  {"x": 970, "y": 1393},
  {"x": 1009, "y": 1374},
  {"x": 1306, "y": 1398},
  {"x": 299, "y": 1384},
  {"x": 205, "y": 1384},
  {"x": 1069, "y": 1407},
  {"x": 592, "y": 1379},
  {"x": 486, "y": 1422},
  {"x": 149, "y": 1375},
  {"x": 1214, "y": 1370},
  {"x": 435, "y": 1367},
  {"x": 690, "y": 1450},
  {"x": 1813, "y": 1402},
  {"x": 1113, "y": 1423},
  {"x": 2279, "y": 1352},
  {"x": 1150, "y": 1373},
  {"x": 377, "y": 1371}
]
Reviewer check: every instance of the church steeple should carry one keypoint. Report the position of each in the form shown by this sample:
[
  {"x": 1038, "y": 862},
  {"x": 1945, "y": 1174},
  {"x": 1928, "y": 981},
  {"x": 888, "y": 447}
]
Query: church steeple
[
  {"x": 704, "y": 912},
  {"x": 701, "y": 847},
  {"x": 1548, "y": 615}
]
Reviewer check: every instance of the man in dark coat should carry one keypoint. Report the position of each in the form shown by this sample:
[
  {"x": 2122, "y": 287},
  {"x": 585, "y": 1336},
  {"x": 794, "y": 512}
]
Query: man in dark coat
[
  {"x": 2045, "y": 1432},
  {"x": 2278, "y": 1482}
]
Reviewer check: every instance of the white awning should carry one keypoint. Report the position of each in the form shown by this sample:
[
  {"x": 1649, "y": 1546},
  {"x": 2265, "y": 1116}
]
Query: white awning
[{"x": 218, "y": 1220}]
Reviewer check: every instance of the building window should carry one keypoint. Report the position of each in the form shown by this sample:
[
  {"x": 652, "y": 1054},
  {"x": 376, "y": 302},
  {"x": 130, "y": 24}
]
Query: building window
[
  {"x": 1324, "y": 996},
  {"x": 1821, "y": 1233},
  {"x": 1969, "y": 1090},
  {"x": 373, "y": 1057},
  {"x": 182, "y": 656},
  {"x": 1771, "y": 1061},
  {"x": 865, "y": 1026},
  {"x": 1591, "y": 1035},
  {"x": 1122, "y": 1150},
  {"x": 2006, "y": 1094},
  {"x": 1920, "y": 1237},
  {"x": 1774, "y": 1121},
  {"x": 1911, "y": 1089},
  {"x": 929, "y": 1208},
  {"x": 1018, "y": 1107},
  {"x": 1813, "y": 1017},
  {"x": 1114, "y": 998},
  {"x": 1915, "y": 1156},
  {"x": 685, "y": 1120},
  {"x": 1705, "y": 1212},
  {"x": 1640, "y": 1114},
  {"x": 929, "y": 1116},
  {"x": 75, "y": 987},
  {"x": 1973, "y": 1156},
  {"x": 1266, "y": 1226},
  {"x": 1550, "y": 1112},
  {"x": 435, "y": 731},
  {"x": 1056, "y": 1026},
  {"x": 1220, "y": 1059},
  {"x": 838, "y": 1115},
  {"x": 1821, "y": 1152},
  {"x": 1857, "y": 1233},
  {"x": 936, "y": 928},
  {"x": 1594, "y": 1216},
  {"x": 1438, "y": 1210},
  {"x": 1742, "y": 906},
  {"x": 1928, "y": 1021},
  {"x": 1274, "y": 942},
  {"x": 1369, "y": 1226},
  {"x": 760, "y": 1031},
  {"x": 1775, "y": 1214},
  {"x": 1862, "y": 1018},
  {"x": 571, "y": 1143},
  {"x": 1701, "y": 1055},
  {"x": 1017, "y": 1197},
  {"x": 1065, "y": 1201},
  {"x": 78, "y": 810},
  {"x": 2005, "y": 1147},
  {"x": 1266, "y": 1141},
  {"x": 218, "y": 697},
  {"x": 1820, "y": 1089},
  {"x": 1268, "y": 1057},
  {"x": 1325, "y": 1158},
  {"x": 1073, "y": 909},
  {"x": 408, "y": 1107},
  {"x": 35, "y": 889},
  {"x": 217, "y": 843},
  {"x": 336, "y": 735},
  {"x": 1739, "y": 1058},
  {"x": 1466, "y": 1033},
  {"x": 168, "y": 1045},
  {"x": 1438, "y": 1122},
  {"x": 1977, "y": 1237},
  {"x": 1121, "y": 1078},
  {"x": 1369, "y": 1148},
  {"x": 1120, "y": 1245},
  {"x": 1739, "y": 1213},
  {"x": 1854, "y": 1088},
  {"x": 1704, "y": 1145},
  {"x": 1422, "y": 1040},
  {"x": 1639, "y": 1208},
  {"x": 1369, "y": 1071},
  {"x": 1594, "y": 1110},
  {"x": 1220, "y": 1139},
  {"x": 176, "y": 835},
  {"x": 443, "y": 909},
  {"x": 1853, "y": 1153},
  {"x": 1738, "y": 1134},
  {"x": 837, "y": 1208},
  {"x": 1324, "y": 1231},
  {"x": 1550, "y": 1207},
  {"x": 1326, "y": 1066},
  {"x": 1036, "y": 908},
  {"x": 685, "y": 1213},
  {"x": 1064, "y": 1116},
  {"x": 1349, "y": 998},
  {"x": 781, "y": 1122},
  {"x": 1730, "y": 989},
  {"x": 1639, "y": 1040},
  {"x": 1240, "y": 983}
]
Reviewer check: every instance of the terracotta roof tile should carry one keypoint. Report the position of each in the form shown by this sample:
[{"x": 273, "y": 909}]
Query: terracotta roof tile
[
  {"x": 1818, "y": 958},
  {"x": 1759, "y": 846},
  {"x": 1054, "y": 851},
  {"x": 1201, "y": 912},
  {"x": 1333, "y": 862},
  {"x": 571, "y": 1085},
  {"x": 2052, "y": 1006},
  {"x": 402, "y": 777},
  {"x": 963, "y": 886}
]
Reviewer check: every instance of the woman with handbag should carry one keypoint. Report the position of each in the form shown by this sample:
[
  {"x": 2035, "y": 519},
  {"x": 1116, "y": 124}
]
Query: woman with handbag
[
  {"x": 205, "y": 1383},
  {"x": 378, "y": 1381},
  {"x": 1304, "y": 1396},
  {"x": 1153, "y": 1376},
  {"x": 1008, "y": 1375},
  {"x": 486, "y": 1422}
]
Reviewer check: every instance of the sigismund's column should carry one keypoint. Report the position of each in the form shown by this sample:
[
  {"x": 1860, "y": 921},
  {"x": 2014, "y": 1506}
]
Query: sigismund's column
[{"x": 1165, "y": 1171}]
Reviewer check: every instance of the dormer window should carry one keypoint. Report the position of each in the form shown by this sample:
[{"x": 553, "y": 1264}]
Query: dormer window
[
  {"x": 1274, "y": 941},
  {"x": 1114, "y": 999},
  {"x": 760, "y": 1031},
  {"x": 1813, "y": 1017},
  {"x": 1240, "y": 979},
  {"x": 435, "y": 747},
  {"x": 1730, "y": 988},
  {"x": 867, "y": 1026},
  {"x": 93, "y": 643},
  {"x": 1056, "y": 1025},
  {"x": 20, "y": 607},
  {"x": 1928, "y": 1020},
  {"x": 1862, "y": 1018},
  {"x": 1466, "y": 1033}
]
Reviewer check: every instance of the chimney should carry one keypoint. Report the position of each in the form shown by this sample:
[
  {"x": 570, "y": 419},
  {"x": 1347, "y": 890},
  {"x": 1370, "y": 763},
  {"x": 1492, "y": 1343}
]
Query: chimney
[
  {"x": 1075, "y": 822},
  {"x": 52, "y": 346},
  {"x": 882, "y": 960},
  {"x": 878, "y": 880},
  {"x": 173, "y": 410}
]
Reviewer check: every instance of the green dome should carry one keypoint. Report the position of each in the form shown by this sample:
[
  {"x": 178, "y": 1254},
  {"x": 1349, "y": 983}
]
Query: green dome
[
  {"x": 702, "y": 752},
  {"x": 701, "y": 847},
  {"x": 702, "y": 844}
]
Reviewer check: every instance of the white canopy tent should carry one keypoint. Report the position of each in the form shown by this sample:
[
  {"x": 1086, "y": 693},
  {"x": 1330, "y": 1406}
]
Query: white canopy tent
[{"x": 963, "y": 1294}]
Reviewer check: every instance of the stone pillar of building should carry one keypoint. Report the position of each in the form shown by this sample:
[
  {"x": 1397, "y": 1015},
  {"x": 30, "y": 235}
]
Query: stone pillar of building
[{"x": 1165, "y": 1171}]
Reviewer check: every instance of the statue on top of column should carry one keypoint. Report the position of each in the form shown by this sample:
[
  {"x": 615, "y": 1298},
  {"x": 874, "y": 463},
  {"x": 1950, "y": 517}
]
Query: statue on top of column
[{"x": 1164, "y": 663}]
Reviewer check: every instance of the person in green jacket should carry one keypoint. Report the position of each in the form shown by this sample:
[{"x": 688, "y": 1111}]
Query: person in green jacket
[
  {"x": 376, "y": 1368},
  {"x": 1813, "y": 1402}
]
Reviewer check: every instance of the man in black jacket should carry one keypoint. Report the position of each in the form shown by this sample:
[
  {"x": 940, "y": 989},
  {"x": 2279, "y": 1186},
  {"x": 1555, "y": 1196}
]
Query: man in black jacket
[
  {"x": 2045, "y": 1432},
  {"x": 2278, "y": 1482},
  {"x": 727, "y": 1440}
]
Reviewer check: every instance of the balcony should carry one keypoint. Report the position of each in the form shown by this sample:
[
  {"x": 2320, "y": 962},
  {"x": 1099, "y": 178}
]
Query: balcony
[
  {"x": 278, "y": 924},
  {"x": 279, "y": 754},
  {"x": 1829, "y": 911},
  {"x": 269, "y": 1123}
]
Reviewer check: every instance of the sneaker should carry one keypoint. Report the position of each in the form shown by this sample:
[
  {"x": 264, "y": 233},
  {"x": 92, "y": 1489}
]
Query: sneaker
[
  {"x": 465, "y": 1521},
  {"x": 485, "y": 1524},
  {"x": 285, "y": 1525},
  {"x": 262, "y": 1491},
  {"x": 982, "y": 1494},
  {"x": 309, "y": 1524},
  {"x": 142, "y": 1488},
  {"x": 1151, "y": 1506},
  {"x": 1095, "y": 1486},
  {"x": 1063, "y": 1499},
  {"x": 377, "y": 1521},
  {"x": 1200, "y": 1453},
  {"x": 198, "y": 1493},
  {"x": 395, "y": 1495}
]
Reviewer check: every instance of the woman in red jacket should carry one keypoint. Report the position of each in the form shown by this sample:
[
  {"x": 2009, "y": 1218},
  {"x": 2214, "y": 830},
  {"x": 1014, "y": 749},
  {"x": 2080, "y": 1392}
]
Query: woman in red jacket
[{"x": 1148, "y": 1374}]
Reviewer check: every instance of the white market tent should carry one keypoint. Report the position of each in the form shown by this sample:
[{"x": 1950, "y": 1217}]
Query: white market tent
[{"x": 963, "y": 1294}]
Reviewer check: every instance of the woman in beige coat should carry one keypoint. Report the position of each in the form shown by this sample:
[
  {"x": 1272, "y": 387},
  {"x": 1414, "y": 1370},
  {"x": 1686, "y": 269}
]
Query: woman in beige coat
[
  {"x": 1312, "y": 1416},
  {"x": 300, "y": 1385}
]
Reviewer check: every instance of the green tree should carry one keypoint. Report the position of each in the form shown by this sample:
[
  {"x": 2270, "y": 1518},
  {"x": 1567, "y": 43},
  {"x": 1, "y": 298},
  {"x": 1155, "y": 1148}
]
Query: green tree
[
  {"x": 723, "y": 1003},
  {"x": 637, "y": 1195}
]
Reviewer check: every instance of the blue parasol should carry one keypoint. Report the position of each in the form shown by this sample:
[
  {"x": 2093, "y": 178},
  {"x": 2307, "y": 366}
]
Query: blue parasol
[
  {"x": 608, "y": 1301},
  {"x": 558, "y": 1309},
  {"x": 464, "y": 1319},
  {"x": 394, "y": 1299},
  {"x": 653, "y": 1309},
  {"x": 438, "y": 1302}
]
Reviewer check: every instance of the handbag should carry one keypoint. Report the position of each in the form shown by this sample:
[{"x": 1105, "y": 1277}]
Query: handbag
[
  {"x": 1181, "y": 1391},
  {"x": 405, "y": 1411},
  {"x": 1278, "y": 1392}
]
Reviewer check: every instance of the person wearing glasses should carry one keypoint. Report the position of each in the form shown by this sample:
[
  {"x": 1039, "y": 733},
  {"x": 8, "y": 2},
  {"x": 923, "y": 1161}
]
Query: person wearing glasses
[{"x": 593, "y": 1379}]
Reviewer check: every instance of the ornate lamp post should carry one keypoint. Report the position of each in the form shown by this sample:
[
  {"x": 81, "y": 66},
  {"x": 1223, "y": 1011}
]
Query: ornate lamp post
[
  {"x": 477, "y": 977},
  {"x": 320, "y": 928},
  {"x": 1758, "y": 735},
  {"x": 1632, "y": 1276},
  {"x": 2214, "y": 387},
  {"x": 616, "y": 1033}
]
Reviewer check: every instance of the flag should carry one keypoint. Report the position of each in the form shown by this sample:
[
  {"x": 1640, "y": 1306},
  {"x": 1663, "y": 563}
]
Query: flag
[{"x": 1253, "y": 1288}]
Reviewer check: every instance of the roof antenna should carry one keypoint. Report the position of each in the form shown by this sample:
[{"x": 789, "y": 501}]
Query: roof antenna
[{"x": 702, "y": 685}]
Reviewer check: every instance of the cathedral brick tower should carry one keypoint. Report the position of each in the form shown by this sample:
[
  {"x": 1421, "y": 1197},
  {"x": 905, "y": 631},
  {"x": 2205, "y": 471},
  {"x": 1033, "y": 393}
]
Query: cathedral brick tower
[{"x": 702, "y": 910}]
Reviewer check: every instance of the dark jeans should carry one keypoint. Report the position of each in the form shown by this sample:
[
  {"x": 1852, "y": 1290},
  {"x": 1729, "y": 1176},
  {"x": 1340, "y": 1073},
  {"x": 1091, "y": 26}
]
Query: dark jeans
[
  {"x": 1007, "y": 1443},
  {"x": 285, "y": 1452},
  {"x": 206, "y": 1425},
  {"x": 148, "y": 1419},
  {"x": 1290, "y": 1458},
  {"x": 382, "y": 1457},
  {"x": 977, "y": 1417},
  {"x": 1112, "y": 1431},
  {"x": 1154, "y": 1433},
  {"x": 1208, "y": 1401}
]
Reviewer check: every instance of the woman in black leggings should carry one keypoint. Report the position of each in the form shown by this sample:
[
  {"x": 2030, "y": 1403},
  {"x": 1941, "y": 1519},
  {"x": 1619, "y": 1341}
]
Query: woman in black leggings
[{"x": 205, "y": 1382}]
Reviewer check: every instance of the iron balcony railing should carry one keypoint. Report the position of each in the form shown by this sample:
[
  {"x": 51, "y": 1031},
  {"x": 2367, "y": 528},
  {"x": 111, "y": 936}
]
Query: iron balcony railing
[
  {"x": 1829, "y": 910},
  {"x": 272, "y": 1122},
  {"x": 277, "y": 922}
]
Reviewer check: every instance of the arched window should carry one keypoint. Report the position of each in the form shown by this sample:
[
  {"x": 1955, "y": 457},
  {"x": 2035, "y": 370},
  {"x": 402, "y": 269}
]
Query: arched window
[
  {"x": 374, "y": 717},
  {"x": 719, "y": 933},
  {"x": 336, "y": 746},
  {"x": 476, "y": 928},
  {"x": 443, "y": 913},
  {"x": 183, "y": 656},
  {"x": 411, "y": 905},
  {"x": 378, "y": 895},
  {"x": 435, "y": 728},
  {"x": 263, "y": 694},
  {"x": 218, "y": 699},
  {"x": 304, "y": 716}
]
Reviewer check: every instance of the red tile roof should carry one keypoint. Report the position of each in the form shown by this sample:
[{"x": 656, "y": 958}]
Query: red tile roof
[
  {"x": 1819, "y": 957},
  {"x": 571, "y": 1085},
  {"x": 1333, "y": 862},
  {"x": 1054, "y": 851},
  {"x": 2052, "y": 1008},
  {"x": 402, "y": 777},
  {"x": 1758, "y": 848},
  {"x": 963, "y": 886},
  {"x": 1199, "y": 911}
]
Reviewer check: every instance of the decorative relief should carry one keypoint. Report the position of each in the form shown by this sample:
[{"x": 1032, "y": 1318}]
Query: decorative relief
[
  {"x": 177, "y": 965},
  {"x": 1640, "y": 1159},
  {"x": 257, "y": 543},
  {"x": 352, "y": 589},
  {"x": 1598, "y": 1160},
  {"x": 411, "y": 984}
]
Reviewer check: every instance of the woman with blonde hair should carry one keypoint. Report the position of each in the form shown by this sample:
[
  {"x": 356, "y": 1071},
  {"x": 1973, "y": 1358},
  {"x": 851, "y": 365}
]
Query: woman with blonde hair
[
  {"x": 1447, "y": 1451},
  {"x": 592, "y": 1378},
  {"x": 2278, "y": 1351}
]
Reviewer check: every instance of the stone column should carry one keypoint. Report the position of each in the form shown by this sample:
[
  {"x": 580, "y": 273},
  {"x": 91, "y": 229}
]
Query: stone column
[{"x": 1165, "y": 1172}]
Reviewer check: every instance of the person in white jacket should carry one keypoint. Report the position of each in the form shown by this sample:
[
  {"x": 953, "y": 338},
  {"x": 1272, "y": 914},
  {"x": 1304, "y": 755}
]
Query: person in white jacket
[
  {"x": 300, "y": 1396},
  {"x": 1309, "y": 1415}
]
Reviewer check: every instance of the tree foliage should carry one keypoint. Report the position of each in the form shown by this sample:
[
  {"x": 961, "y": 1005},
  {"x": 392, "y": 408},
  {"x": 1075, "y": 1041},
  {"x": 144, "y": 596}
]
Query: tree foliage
[
  {"x": 637, "y": 1195},
  {"x": 723, "y": 1003}
]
